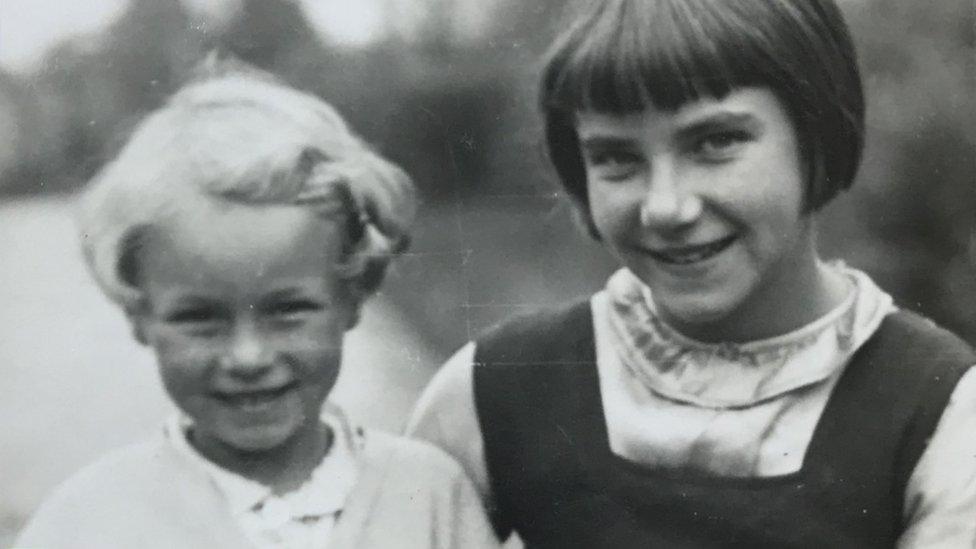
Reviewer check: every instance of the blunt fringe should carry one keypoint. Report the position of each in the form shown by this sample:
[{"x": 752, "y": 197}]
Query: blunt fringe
[{"x": 620, "y": 56}]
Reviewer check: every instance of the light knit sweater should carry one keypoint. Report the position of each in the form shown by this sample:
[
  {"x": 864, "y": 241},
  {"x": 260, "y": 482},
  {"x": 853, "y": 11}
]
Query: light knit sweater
[{"x": 148, "y": 495}]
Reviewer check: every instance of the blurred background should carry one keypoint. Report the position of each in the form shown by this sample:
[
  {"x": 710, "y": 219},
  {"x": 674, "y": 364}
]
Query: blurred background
[{"x": 446, "y": 89}]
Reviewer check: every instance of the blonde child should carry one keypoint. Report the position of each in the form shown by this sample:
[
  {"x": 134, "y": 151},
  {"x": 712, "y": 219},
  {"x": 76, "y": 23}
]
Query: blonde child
[{"x": 240, "y": 229}]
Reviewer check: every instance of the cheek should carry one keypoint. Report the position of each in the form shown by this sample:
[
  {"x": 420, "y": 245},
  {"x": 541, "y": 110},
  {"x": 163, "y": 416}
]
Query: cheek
[
  {"x": 783, "y": 174},
  {"x": 320, "y": 371},
  {"x": 180, "y": 353},
  {"x": 767, "y": 191},
  {"x": 323, "y": 332},
  {"x": 317, "y": 352},
  {"x": 183, "y": 364},
  {"x": 780, "y": 204},
  {"x": 183, "y": 384},
  {"x": 610, "y": 210},
  {"x": 318, "y": 348}
]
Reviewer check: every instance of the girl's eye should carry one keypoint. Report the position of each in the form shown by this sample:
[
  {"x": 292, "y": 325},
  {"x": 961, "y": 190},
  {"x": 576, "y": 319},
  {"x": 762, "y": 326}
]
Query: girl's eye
[
  {"x": 293, "y": 309},
  {"x": 721, "y": 145},
  {"x": 613, "y": 164}
]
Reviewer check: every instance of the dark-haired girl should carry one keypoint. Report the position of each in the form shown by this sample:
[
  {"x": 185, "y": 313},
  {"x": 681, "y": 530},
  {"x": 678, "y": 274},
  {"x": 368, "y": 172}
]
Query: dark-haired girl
[{"x": 727, "y": 388}]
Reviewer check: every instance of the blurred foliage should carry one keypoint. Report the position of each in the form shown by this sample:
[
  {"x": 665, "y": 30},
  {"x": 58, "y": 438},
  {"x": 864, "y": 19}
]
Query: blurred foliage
[
  {"x": 911, "y": 219},
  {"x": 456, "y": 109}
]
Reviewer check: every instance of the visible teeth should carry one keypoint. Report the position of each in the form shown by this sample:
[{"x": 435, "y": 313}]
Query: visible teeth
[
  {"x": 699, "y": 254},
  {"x": 689, "y": 258},
  {"x": 253, "y": 399}
]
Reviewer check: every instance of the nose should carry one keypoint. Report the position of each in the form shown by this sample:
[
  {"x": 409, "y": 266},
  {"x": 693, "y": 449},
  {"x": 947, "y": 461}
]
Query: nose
[
  {"x": 248, "y": 352},
  {"x": 666, "y": 204}
]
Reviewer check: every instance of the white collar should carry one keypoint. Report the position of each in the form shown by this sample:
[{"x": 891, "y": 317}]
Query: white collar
[
  {"x": 731, "y": 375},
  {"x": 325, "y": 492}
]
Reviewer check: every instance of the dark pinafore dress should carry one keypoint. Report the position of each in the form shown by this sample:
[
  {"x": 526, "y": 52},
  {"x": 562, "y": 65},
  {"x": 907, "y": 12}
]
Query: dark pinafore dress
[{"x": 556, "y": 482}]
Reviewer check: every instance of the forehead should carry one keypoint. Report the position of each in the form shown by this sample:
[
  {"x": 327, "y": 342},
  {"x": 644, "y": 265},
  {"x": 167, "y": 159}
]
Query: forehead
[
  {"x": 240, "y": 248},
  {"x": 740, "y": 106}
]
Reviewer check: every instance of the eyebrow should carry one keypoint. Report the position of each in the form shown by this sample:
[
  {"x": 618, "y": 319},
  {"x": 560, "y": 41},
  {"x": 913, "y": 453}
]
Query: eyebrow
[
  {"x": 192, "y": 299},
  {"x": 295, "y": 294},
  {"x": 600, "y": 142},
  {"x": 298, "y": 293},
  {"x": 696, "y": 127},
  {"x": 284, "y": 293},
  {"x": 718, "y": 121}
]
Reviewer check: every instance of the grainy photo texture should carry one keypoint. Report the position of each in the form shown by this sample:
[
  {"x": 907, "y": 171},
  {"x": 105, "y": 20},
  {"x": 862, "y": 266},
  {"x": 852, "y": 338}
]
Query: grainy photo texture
[{"x": 462, "y": 273}]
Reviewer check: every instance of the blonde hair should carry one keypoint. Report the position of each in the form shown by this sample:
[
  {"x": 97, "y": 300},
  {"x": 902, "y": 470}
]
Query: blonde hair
[{"x": 237, "y": 134}]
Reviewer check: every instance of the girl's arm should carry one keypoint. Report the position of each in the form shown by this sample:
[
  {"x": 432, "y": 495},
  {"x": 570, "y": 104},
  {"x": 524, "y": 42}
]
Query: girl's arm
[
  {"x": 446, "y": 417},
  {"x": 940, "y": 499},
  {"x": 469, "y": 524}
]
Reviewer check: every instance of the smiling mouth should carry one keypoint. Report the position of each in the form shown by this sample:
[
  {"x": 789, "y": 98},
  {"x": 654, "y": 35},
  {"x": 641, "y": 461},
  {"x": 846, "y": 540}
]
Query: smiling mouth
[
  {"x": 253, "y": 399},
  {"x": 687, "y": 255}
]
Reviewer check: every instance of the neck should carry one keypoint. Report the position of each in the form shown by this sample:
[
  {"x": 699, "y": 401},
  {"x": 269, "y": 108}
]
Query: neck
[{"x": 283, "y": 468}]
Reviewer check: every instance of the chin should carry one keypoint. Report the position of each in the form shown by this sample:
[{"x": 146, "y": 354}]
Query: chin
[
  {"x": 258, "y": 439},
  {"x": 696, "y": 316}
]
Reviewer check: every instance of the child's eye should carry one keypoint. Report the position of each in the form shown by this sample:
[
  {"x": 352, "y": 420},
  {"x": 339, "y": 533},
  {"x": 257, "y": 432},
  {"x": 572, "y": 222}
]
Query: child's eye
[
  {"x": 200, "y": 321},
  {"x": 293, "y": 309},
  {"x": 721, "y": 145},
  {"x": 613, "y": 165},
  {"x": 193, "y": 316}
]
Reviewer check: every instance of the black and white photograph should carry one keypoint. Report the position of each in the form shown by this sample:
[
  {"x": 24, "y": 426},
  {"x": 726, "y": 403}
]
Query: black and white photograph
[{"x": 487, "y": 274}]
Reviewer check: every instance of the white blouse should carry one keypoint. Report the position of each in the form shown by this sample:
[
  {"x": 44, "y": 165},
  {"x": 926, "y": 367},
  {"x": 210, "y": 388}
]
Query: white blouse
[
  {"x": 301, "y": 519},
  {"x": 743, "y": 410}
]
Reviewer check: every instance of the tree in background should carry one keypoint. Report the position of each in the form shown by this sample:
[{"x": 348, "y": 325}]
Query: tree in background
[
  {"x": 912, "y": 217},
  {"x": 452, "y": 100}
]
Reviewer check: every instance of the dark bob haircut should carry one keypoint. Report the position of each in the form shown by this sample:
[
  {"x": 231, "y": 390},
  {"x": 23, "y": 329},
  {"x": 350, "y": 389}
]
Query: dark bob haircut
[{"x": 622, "y": 55}]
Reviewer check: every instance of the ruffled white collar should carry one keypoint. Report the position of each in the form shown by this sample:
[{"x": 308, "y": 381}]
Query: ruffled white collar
[{"x": 738, "y": 375}]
